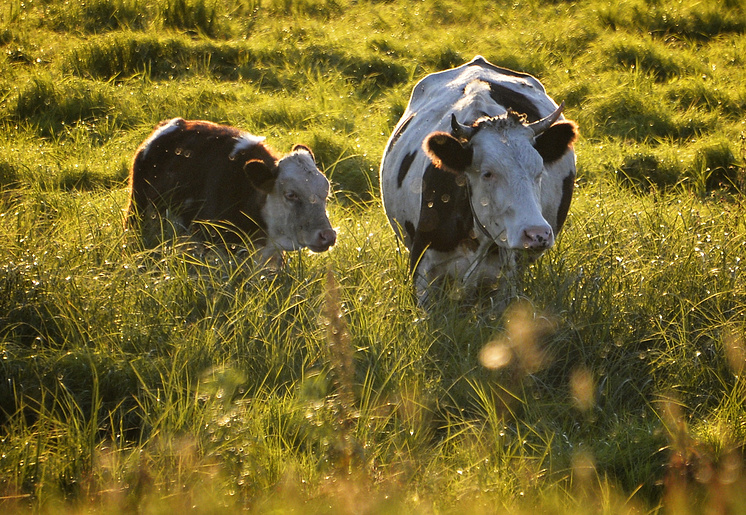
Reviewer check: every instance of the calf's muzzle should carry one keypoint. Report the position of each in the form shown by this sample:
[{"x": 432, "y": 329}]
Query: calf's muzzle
[{"x": 324, "y": 239}]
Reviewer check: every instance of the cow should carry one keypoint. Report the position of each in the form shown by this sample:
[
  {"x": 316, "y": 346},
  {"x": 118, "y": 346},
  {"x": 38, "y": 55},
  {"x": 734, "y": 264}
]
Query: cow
[
  {"x": 478, "y": 175},
  {"x": 230, "y": 186}
]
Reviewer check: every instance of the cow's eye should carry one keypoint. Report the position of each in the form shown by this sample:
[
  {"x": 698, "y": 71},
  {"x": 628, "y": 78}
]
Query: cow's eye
[
  {"x": 487, "y": 175},
  {"x": 291, "y": 196}
]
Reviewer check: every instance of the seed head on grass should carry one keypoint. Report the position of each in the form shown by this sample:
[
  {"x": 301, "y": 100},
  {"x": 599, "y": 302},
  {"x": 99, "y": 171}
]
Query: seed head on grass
[
  {"x": 582, "y": 389},
  {"x": 341, "y": 362},
  {"x": 735, "y": 352},
  {"x": 520, "y": 344},
  {"x": 338, "y": 342}
]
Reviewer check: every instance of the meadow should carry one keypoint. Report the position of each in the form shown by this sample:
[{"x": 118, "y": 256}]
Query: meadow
[{"x": 151, "y": 381}]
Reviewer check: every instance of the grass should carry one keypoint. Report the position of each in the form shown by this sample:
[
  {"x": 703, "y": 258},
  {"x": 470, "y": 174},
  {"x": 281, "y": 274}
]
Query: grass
[{"x": 154, "y": 381}]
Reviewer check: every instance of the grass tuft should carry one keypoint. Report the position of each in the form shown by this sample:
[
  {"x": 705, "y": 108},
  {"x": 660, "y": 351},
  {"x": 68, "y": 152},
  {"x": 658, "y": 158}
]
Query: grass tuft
[{"x": 193, "y": 16}]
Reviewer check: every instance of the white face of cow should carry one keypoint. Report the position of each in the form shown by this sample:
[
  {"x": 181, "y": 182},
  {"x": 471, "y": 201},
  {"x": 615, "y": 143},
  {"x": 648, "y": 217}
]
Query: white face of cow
[
  {"x": 295, "y": 209},
  {"x": 505, "y": 181},
  {"x": 504, "y": 160}
]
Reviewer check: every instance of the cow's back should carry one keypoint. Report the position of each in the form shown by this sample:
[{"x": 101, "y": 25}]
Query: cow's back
[
  {"x": 194, "y": 171},
  {"x": 179, "y": 155},
  {"x": 438, "y": 92}
]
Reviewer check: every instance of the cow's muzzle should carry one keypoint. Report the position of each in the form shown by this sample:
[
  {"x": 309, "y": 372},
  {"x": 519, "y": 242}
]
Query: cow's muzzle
[
  {"x": 537, "y": 237},
  {"x": 324, "y": 239}
]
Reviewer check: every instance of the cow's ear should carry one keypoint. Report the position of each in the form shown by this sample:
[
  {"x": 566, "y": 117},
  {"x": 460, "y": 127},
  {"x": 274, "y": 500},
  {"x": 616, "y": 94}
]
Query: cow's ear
[
  {"x": 447, "y": 152},
  {"x": 261, "y": 176},
  {"x": 304, "y": 148},
  {"x": 554, "y": 142}
]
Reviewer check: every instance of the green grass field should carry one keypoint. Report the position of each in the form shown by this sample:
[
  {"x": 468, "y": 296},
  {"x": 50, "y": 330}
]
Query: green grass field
[{"x": 148, "y": 382}]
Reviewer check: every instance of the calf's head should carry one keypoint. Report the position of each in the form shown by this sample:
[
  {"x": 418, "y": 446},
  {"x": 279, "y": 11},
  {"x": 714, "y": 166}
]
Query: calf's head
[
  {"x": 295, "y": 207},
  {"x": 503, "y": 159}
]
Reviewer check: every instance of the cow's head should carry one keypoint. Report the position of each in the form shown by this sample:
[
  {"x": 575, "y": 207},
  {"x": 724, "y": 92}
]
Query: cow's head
[
  {"x": 504, "y": 159},
  {"x": 295, "y": 208}
]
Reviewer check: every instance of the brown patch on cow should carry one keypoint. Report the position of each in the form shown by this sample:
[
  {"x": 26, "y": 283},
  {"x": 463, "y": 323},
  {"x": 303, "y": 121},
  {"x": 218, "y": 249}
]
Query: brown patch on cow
[
  {"x": 505, "y": 96},
  {"x": 300, "y": 146}
]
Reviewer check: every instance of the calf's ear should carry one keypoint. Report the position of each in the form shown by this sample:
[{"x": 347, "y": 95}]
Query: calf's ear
[
  {"x": 304, "y": 148},
  {"x": 447, "y": 152},
  {"x": 554, "y": 142},
  {"x": 261, "y": 176}
]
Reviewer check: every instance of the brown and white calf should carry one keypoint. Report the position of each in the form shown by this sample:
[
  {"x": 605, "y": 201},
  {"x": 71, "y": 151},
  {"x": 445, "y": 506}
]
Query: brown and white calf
[{"x": 191, "y": 171}]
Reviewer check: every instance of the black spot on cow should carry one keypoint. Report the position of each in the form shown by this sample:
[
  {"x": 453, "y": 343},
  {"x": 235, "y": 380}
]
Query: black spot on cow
[
  {"x": 445, "y": 214},
  {"x": 404, "y": 167},
  {"x": 409, "y": 227},
  {"x": 398, "y": 133},
  {"x": 512, "y": 99},
  {"x": 568, "y": 185}
]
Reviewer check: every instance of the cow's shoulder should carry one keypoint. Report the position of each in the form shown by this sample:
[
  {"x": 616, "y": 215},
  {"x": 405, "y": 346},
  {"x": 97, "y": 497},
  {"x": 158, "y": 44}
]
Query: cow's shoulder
[{"x": 221, "y": 144}]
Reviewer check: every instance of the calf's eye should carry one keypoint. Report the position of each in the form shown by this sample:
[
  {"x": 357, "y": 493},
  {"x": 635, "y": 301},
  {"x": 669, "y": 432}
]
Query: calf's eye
[
  {"x": 487, "y": 175},
  {"x": 291, "y": 196}
]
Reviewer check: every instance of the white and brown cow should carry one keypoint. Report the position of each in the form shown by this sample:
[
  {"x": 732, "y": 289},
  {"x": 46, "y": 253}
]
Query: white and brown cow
[
  {"x": 190, "y": 171},
  {"x": 478, "y": 174}
]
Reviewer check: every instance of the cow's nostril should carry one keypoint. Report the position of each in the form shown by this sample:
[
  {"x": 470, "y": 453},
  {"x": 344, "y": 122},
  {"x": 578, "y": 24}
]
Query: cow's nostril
[{"x": 327, "y": 237}]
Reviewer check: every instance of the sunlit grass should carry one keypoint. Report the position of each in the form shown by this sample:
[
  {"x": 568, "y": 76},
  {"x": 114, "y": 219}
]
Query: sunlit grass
[{"x": 167, "y": 379}]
